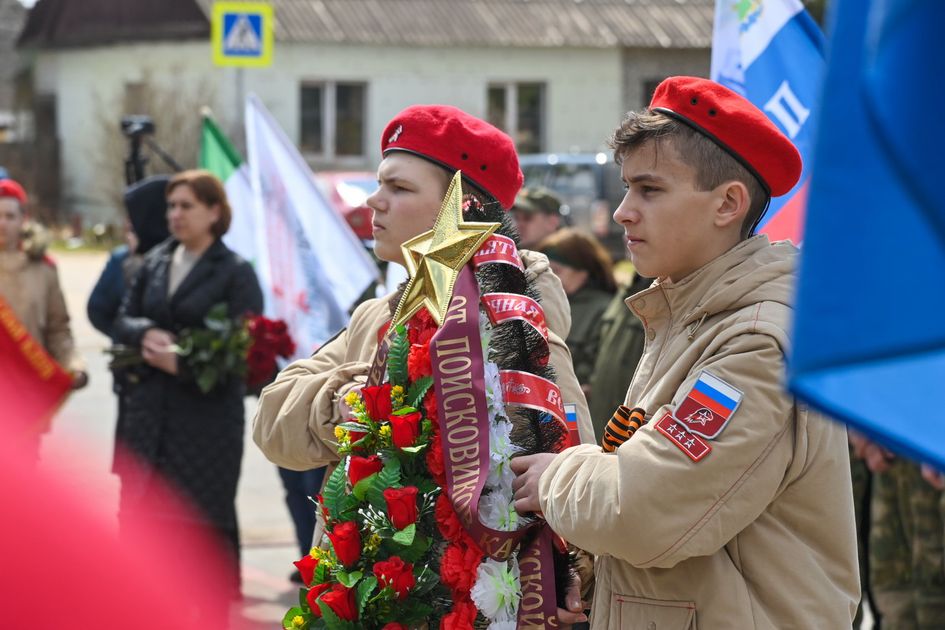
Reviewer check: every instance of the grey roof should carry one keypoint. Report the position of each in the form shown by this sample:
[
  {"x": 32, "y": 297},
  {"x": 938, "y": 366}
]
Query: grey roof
[
  {"x": 63, "y": 23},
  {"x": 525, "y": 23},
  {"x": 12, "y": 16}
]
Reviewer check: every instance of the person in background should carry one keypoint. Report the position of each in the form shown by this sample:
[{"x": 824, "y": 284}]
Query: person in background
[
  {"x": 146, "y": 228},
  {"x": 172, "y": 430},
  {"x": 905, "y": 544},
  {"x": 623, "y": 336},
  {"x": 587, "y": 275},
  {"x": 29, "y": 282},
  {"x": 537, "y": 214}
]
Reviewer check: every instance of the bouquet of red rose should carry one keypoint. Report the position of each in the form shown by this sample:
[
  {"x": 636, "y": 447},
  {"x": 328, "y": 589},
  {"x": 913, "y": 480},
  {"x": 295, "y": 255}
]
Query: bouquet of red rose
[
  {"x": 224, "y": 347},
  {"x": 270, "y": 339},
  {"x": 419, "y": 515}
]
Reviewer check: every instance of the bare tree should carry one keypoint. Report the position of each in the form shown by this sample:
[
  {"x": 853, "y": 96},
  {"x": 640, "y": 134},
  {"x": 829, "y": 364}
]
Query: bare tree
[{"x": 173, "y": 105}]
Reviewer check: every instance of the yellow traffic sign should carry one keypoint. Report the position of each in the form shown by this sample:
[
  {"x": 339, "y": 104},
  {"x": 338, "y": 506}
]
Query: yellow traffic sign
[{"x": 241, "y": 34}]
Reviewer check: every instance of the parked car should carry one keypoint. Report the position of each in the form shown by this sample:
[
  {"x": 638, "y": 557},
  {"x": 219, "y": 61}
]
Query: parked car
[
  {"x": 590, "y": 189},
  {"x": 347, "y": 191}
]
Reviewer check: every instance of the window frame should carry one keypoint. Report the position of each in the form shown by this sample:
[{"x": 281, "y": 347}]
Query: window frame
[{"x": 329, "y": 95}]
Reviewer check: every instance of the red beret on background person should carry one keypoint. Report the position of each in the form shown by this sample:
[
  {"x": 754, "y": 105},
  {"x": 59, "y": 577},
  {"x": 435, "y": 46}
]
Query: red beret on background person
[
  {"x": 29, "y": 281},
  {"x": 753, "y": 507}
]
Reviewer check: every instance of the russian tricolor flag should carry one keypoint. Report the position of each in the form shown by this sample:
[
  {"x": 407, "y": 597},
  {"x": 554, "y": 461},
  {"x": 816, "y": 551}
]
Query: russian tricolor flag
[{"x": 772, "y": 52}]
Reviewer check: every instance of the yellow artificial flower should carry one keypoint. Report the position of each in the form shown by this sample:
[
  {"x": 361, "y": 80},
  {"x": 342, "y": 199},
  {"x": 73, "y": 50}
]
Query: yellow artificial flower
[
  {"x": 352, "y": 399},
  {"x": 372, "y": 544},
  {"x": 384, "y": 431},
  {"x": 340, "y": 433},
  {"x": 298, "y": 621}
]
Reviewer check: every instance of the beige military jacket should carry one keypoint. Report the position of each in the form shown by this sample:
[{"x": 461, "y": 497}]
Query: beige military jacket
[
  {"x": 30, "y": 285},
  {"x": 759, "y": 532},
  {"x": 297, "y": 414}
]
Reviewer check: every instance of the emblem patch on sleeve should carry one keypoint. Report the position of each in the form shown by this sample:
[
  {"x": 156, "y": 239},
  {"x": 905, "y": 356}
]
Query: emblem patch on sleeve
[
  {"x": 692, "y": 445},
  {"x": 709, "y": 406}
]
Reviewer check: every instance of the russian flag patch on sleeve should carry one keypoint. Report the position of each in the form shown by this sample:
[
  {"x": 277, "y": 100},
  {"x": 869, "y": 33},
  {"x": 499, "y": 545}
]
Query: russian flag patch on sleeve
[{"x": 709, "y": 406}]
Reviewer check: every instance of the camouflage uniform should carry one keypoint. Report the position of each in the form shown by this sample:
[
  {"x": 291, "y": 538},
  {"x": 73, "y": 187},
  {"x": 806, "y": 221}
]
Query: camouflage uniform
[
  {"x": 906, "y": 549},
  {"x": 862, "y": 489}
]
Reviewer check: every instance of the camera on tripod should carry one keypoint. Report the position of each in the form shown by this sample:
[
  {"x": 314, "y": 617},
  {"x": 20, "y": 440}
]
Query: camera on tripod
[{"x": 137, "y": 125}]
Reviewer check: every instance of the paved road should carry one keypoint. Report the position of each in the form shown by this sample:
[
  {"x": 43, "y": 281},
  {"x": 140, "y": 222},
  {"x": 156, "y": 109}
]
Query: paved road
[{"x": 81, "y": 441}]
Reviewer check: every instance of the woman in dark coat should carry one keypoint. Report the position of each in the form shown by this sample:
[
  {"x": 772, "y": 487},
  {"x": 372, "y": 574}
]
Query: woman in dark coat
[{"x": 192, "y": 440}]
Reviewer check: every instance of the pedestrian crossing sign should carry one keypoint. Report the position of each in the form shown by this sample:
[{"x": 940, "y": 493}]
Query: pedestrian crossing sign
[{"x": 241, "y": 34}]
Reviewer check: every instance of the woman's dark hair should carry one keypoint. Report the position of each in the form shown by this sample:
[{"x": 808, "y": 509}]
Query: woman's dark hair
[
  {"x": 580, "y": 250},
  {"x": 210, "y": 191}
]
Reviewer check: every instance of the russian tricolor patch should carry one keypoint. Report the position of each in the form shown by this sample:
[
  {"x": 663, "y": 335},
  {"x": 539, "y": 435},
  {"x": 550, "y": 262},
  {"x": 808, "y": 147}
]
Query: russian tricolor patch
[{"x": 709, "y": 406}]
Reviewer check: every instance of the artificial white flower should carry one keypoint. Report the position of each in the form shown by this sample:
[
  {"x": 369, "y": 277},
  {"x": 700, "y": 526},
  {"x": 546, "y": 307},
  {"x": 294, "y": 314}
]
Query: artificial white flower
[
  {"x": 497, "y": 591},
  {"x": 497, "y": 510},
  {"x": 494, "y": 391},
  {"x": 501, "y": 451}
]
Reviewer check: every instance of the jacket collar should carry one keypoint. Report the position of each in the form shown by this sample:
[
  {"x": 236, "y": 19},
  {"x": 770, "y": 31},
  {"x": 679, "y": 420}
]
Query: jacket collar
[
  {"x": 202, "y": 269},
  {"x": 716, "y": 286}
]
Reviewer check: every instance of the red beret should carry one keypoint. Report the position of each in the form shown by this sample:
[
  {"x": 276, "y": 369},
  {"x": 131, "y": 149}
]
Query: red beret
[
  {"x": 460, "y": 142},
  {"x": 9, "y": 188},
  {"x": 736, "y": 125}
]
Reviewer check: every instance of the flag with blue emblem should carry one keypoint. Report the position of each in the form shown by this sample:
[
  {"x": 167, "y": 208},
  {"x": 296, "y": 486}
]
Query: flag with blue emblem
[
  {"x": 869, "y": 330},
  {"x": 772, "y": 53}
]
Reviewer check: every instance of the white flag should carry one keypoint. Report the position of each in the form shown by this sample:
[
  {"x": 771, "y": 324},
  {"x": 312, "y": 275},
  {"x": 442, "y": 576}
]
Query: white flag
[{"x": 309, "y": 261}]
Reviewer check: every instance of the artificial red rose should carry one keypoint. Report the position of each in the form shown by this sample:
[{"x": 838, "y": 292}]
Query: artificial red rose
[
  {"x": 278, "y": 327},
  {"x": 341, "y": 601},
  {"x": 346, "y": 541},
  {"x": 306, "y": 567},
  {"x": 377, "y": 401},
  {"x": 458, "y": 567},
  {"x": 435, "y": 460},
  {"x": 361, "y": 467},
  {"x": 312, "y": 597},
  {"x": 429, "y": 405},
  {"x": 393, "y": 625},
  {"x": 401, "y": 506},
  {"x": 418, "y": 361},
  {"x": 405, "y": 429},
  {"x": 446, "y": 519},
  {"x": 461, "y": 617},
  {"x": 421, "y": 326},
  {"x": 396, "y": 574}
]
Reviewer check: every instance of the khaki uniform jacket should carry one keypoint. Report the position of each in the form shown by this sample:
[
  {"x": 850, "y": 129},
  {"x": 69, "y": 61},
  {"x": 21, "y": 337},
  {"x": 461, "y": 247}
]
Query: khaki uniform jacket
[
  {"x": 757, "y": 534},
  {"x": 30, "y": 285},
  {"x": 298, "y": 412}
]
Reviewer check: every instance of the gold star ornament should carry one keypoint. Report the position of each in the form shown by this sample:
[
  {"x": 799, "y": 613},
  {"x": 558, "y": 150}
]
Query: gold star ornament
[{"x": 435, "y": 257}]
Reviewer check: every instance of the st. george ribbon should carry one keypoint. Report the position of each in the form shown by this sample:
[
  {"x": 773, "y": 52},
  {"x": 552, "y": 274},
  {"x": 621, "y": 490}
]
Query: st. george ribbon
[{"x": 458, "y": 372}]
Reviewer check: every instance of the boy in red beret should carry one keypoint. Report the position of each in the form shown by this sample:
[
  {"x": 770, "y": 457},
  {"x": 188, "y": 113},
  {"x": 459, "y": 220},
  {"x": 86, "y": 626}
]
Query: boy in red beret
[
  {"x": 731, "y": 507},
  {"x": 422, "y": 146}
]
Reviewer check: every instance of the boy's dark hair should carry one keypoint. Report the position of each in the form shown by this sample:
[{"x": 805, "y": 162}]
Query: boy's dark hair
[{"x": 711, "y": 163}]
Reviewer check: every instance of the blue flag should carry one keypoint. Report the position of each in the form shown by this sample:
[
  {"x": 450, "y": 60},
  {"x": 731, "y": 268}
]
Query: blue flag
[
  {"x": 870, "y": 323},
  {"x": 772, "y": 53}
]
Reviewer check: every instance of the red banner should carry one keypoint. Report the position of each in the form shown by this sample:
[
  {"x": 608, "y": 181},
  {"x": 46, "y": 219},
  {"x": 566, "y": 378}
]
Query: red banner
[
  {"x": 498, "y": 249},
  {"x": 503, "y": 307},
  {"x": 523, "y": 389},
  {"x": 33, "y": 384}
]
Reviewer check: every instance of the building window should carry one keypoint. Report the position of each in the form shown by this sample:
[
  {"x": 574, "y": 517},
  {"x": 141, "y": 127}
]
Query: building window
[
  {"x": 332, "y": 119},
  {"x": 519, "y": 110},
  {"x": 649, "y": 86}
]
